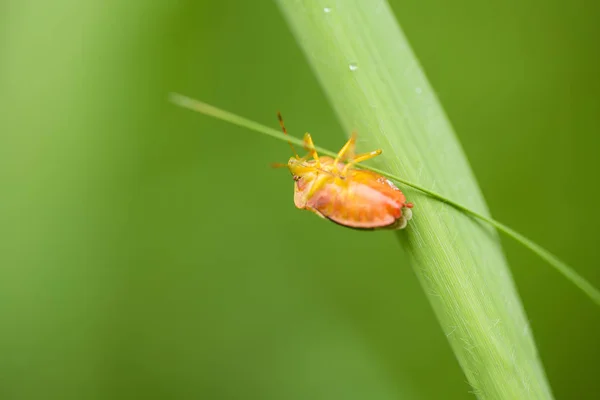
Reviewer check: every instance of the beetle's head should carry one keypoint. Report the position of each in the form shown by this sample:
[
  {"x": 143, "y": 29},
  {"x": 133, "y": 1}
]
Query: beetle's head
[{"x": 297, "y": 167}]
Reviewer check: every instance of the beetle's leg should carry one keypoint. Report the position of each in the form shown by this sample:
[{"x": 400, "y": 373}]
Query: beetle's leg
[
  {"x": 310, "y": 146},
  {"x": 317, "y": 184},
  {"x": 365, "y": 156},
  {"x": 360, "y": 158},
  {"x": 347, "y": 151}
]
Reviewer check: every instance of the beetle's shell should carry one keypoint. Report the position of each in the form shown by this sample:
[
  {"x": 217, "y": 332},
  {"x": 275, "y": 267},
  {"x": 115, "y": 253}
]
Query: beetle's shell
[{"x": 363, "y": 200}]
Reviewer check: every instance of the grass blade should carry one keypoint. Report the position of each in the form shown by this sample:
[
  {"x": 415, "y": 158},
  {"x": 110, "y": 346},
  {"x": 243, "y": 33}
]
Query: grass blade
[
  {"x": 562, "y": 267},
  {"x": 377, "y": 87}
]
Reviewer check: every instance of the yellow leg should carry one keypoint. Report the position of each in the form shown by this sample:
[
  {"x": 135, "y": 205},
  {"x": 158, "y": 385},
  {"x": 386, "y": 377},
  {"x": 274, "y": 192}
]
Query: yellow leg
[
  {"x": 347, "y": 151},
  {"x": 310, "y": 147},
  {"x": 360, "y": 158},
  {"x": 317, "y": 184}
]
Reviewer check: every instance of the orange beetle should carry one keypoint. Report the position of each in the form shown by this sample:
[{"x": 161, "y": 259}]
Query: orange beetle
[{"x": 335, "y": 190}]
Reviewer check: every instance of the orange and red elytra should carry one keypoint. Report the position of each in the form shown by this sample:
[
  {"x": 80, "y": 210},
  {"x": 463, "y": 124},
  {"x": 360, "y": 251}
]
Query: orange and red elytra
[{"x": 335, "y": 190}]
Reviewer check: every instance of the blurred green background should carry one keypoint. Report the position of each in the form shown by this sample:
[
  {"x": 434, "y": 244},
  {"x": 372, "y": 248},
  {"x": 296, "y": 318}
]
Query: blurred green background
[{"x": 150, "y": 252}]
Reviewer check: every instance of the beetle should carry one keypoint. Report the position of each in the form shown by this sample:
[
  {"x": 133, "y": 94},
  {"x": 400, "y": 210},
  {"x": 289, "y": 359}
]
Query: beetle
[{"x": 335, "y": 190}]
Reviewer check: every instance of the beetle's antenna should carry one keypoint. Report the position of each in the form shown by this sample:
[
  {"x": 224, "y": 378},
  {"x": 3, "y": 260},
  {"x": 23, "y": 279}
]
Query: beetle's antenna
[
  {"x": 280, "y": 118},
  {"x": 278, "y": 165}
]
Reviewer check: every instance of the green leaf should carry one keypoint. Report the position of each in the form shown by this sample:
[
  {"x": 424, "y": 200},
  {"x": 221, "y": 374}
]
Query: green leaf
[{"x": 377, "y": 87}]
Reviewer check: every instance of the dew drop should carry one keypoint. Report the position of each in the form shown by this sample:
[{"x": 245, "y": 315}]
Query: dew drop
[
  {"x": 419, "y": 90},
  {"x": 327, "y": 10},
  {"x": 353, "y": 66}
]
